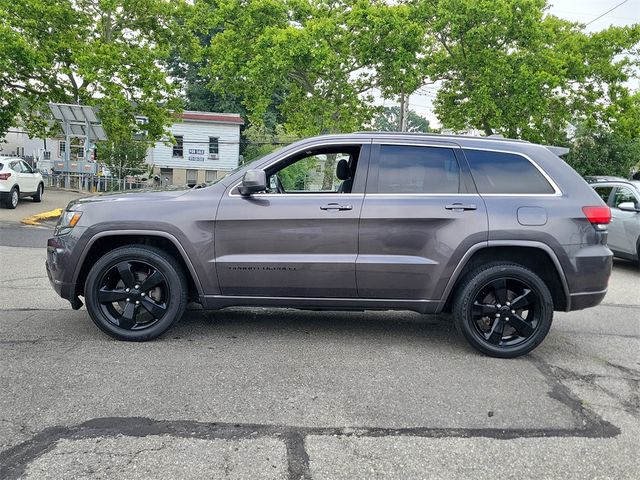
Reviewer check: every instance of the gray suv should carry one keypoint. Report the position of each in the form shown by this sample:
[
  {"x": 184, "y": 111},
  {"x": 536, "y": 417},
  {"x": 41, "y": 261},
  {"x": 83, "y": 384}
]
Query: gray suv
[{"x": 499, "y": 232}]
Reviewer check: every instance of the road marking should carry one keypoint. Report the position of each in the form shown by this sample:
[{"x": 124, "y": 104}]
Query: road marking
[{"x": 38, "y": 217}]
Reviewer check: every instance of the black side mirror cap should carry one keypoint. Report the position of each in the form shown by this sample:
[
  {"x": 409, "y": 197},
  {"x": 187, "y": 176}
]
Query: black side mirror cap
[{"x": 253, "y": 181}]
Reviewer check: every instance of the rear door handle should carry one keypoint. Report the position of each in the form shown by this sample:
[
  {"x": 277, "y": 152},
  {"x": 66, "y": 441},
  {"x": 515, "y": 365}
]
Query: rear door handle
[
  {"x": 459, "y": 207},
  {"x": 336, "y": 206}
]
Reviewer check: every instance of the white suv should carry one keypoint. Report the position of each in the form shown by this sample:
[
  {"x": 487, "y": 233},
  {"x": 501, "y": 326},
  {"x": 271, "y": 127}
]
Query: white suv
[{"x": 18, "y": 180}]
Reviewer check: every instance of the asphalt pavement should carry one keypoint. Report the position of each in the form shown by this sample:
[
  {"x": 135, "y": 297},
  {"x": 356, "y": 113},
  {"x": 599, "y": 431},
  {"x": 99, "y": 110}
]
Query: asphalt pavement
[{"x": 265, "y": 393}]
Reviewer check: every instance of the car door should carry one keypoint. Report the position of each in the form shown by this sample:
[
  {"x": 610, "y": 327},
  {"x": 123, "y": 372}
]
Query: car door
[
  {"x": 29, "y": 176},
  {"x": 300, "y": 238},
  {"x": 20, "y": 177},
  {"x": 624, "y": 226},
  {"x": 420, "y": 215}
]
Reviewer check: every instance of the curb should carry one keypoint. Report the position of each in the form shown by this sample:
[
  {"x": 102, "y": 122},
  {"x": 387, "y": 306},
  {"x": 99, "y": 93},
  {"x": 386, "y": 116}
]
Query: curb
[{"x": 38, "y": 217}]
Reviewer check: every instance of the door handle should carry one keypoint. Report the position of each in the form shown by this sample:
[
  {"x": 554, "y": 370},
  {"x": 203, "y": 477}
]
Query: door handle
[
  {"x": 459, "y": 207},
  {"x": 336, "y": 206}
]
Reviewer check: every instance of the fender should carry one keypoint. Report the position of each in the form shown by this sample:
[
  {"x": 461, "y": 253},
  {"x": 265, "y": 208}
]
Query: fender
[
  {"x": 506, "y": 243},
  {"x": 154, "y": 233}
]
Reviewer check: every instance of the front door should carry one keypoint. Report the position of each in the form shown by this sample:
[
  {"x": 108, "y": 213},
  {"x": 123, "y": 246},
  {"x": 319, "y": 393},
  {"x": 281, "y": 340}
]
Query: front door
[
  {"x": 623, "y": 229},
  {"x": 300, "y": 237},
  {"x": 421, "y": 214}
]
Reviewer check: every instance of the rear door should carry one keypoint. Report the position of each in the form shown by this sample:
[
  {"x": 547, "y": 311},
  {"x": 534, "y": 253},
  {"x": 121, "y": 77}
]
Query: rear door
[
  {"x": 30, "y": 179},
  {"x": 420, "y": 215}
]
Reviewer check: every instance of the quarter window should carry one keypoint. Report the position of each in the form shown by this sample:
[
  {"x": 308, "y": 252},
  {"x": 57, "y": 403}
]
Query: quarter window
[
  {"x": 506, "y": 173},
  {"x": 410, "y": 169},
  {"x": 604, "y": 192},
  {"x": 178, "y": 146}
]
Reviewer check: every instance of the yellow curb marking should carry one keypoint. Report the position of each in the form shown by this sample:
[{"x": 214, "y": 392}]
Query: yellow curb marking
[{"x": 38, "y": 217}]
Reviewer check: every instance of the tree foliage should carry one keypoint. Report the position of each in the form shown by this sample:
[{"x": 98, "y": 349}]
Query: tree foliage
[
  {"x": 603, "y": 152},
  {"x": 108, "y": 53},
  {"x": 508, "y": 67},
  {"x": 388, "y": 120}
]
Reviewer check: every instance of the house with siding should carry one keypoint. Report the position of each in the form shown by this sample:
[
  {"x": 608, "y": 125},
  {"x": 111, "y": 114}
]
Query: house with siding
[{"x": 207, "y": 146}]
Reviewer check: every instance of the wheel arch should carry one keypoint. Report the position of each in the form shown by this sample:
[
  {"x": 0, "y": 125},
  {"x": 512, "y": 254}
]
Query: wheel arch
[
  {"x": 104, "y": 242},
  {"x": 536, "y": 256}
]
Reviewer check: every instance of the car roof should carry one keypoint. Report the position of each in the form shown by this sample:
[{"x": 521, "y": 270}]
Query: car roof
[{"x": 608, "y": 180}]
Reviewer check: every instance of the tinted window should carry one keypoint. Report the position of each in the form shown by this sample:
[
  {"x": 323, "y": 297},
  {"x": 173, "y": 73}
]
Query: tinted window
[
  {"x": 16, "y": 166},
  {"x": 497, "y": 172},
  {"x": 604, "y": 193},
  {"x": 623, "y": 195},
  {"x": 405, "y": 169}
]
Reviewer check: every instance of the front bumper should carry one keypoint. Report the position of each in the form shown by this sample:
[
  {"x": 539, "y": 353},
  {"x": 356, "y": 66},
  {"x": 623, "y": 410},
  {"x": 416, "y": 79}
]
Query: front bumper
[{"x": 60, "y": 265}]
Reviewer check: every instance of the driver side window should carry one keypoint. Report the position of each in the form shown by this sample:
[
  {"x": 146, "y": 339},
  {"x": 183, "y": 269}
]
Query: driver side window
[{"x": 329, "y": 170}]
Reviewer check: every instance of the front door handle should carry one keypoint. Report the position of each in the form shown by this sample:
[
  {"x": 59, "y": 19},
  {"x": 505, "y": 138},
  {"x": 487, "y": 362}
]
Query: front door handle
[
  {"x": 336, "y": 206},
  {"x": 459, "y": 207}
]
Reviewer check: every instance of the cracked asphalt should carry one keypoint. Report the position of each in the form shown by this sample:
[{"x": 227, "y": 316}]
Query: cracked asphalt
[{"x": 281, "y": 394}]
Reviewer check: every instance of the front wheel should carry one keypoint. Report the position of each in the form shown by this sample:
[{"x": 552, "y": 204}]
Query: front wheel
[
  {"x": 503, "y": 310},
  {"x": 135, "y": 293},
  {"x": 38, "y": 196}
]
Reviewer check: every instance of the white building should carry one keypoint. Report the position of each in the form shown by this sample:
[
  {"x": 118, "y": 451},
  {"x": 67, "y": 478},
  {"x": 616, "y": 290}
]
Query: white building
[{"x": 207, "y": 147}]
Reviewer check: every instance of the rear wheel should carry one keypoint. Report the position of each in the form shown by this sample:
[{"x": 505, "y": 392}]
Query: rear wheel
[
  {"x": 38, "y": 196},
  {"x": 135, "y": 293},
  {"x": 13, "y": 198},
  {"x": 503, "y": 310}
]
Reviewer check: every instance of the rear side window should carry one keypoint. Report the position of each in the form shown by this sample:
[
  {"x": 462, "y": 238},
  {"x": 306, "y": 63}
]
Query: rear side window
[
  {"x": 604, "y": 193},
  {"x": 16, "y": 166},
  {"x": 410, "y": 169},
  {"x": 499, "y": 172}
]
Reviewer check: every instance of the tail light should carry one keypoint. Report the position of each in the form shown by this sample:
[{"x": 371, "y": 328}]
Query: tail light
[
  {"x": 597, "y": 215},
  {"x": 5, "y": 176}
]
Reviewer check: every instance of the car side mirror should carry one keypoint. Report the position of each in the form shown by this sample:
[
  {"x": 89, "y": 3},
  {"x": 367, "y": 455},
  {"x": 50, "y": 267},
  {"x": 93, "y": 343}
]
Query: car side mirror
[
  {"x": 628, "y": 207},
  {"x": 253, "y": 181}
]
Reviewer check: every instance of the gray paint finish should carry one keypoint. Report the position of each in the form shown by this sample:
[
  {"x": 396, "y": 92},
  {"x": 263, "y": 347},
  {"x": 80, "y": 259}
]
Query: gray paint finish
[{"x": 383, "y": 251}]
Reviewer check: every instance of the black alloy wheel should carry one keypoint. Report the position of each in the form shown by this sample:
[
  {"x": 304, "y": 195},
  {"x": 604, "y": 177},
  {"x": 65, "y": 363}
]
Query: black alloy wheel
[
  {"x": 504, "y": 310},
  {"x": 135, "y": 293}
]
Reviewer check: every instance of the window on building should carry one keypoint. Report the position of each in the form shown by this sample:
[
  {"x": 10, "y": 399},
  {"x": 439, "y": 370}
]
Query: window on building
[
  {"x": 210, "y": 176},
  {"x": 178, "y": 149},
  {"x": 62, "y": 148},
  {"x": 499, "y": 172},
  {"x": 192, "y": 177},
  {"x": 213, "y": 145},
  {"x": 410, "y": 169}
]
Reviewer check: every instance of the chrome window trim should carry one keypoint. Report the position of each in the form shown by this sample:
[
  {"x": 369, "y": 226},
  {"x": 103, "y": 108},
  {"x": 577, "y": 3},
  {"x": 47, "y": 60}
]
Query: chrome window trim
[
  {"x": 362, "y": 142},
  {"x": 556, "y": 189}
]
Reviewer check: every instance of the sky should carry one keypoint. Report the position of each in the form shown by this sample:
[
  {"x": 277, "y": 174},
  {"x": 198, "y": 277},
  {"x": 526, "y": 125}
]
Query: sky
[{"x": 582, "y": 11}]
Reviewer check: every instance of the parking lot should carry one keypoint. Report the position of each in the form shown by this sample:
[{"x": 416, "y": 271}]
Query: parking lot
[{"x": 262, "y": 393}]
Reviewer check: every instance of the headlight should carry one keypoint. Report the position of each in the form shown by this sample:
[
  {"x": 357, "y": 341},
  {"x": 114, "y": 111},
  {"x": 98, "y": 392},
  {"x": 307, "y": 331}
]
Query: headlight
[{"x": 67, "y": 221}]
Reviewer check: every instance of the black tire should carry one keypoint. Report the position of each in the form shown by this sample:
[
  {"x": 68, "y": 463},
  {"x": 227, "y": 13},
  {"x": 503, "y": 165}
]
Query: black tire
[
  {"x": 38, "y": 196},
  {"x": 122, "y": 306},
  {"x": 12, "y": 200},
  {"x": 484, "y": 307}
]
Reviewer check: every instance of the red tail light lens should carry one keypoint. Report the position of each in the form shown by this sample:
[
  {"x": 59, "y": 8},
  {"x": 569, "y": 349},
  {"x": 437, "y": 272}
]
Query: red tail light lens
[
  {"x": 598, "y": 215},
  {"x": 5, "y": 176}
]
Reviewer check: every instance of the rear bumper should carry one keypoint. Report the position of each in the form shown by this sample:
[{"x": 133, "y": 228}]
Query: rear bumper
[
  {"x": 589, "y": 276},
  {"x": 580, "y": 301}
]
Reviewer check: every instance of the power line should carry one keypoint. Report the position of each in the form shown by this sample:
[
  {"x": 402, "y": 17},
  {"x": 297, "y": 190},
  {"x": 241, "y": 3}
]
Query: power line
[{"x": 608, "y": 11}]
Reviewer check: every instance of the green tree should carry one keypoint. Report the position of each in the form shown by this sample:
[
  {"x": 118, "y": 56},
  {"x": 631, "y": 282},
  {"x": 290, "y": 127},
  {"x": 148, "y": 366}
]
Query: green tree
[
  {"x": 508, "y": 67},
  {"x": 388, "y": 120},
  {"x": 296, "y": 54},
  {"x": 110, "y": 53},
  {"x": 603, "y": 152},
  {"x": 123, "y": 156}
]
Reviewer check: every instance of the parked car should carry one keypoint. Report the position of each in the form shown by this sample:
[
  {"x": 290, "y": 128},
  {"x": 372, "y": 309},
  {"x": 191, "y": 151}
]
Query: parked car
[
  {"x": 19, "y": 180},
  {"x": 623, "y": 196},
  {"x": 499, "y": 232}
]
